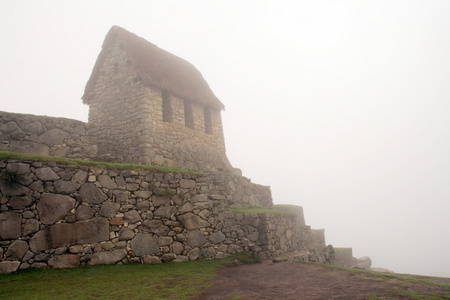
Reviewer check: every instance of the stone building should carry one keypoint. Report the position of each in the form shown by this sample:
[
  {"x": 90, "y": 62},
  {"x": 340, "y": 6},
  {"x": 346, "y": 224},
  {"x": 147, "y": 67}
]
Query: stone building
[{"x": 149, "y": 106}]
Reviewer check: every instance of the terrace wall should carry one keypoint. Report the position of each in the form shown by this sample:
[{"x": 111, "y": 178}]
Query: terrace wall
[{"x": 67, "y": 216}]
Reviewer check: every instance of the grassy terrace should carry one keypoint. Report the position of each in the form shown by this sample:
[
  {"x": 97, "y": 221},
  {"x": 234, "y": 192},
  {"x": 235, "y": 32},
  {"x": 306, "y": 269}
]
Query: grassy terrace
[
  {"x": 131, "y": 281},
  {"x": 79, "y": 162}
]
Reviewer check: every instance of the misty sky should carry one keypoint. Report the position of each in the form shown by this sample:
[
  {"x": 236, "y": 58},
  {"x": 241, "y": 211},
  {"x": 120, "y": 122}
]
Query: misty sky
[{"x": 341, "y": 107}]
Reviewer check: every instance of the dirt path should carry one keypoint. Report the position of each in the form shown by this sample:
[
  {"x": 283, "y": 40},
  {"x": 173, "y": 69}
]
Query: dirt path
[{"x": 298, "y": 280}]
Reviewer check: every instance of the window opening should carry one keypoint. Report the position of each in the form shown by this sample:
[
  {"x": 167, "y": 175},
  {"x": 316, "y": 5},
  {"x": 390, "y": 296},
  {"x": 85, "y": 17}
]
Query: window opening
[
  {"x": 208, "y": 121},
  {"x": 188, "y": 115},
  {"x": 166, "y": 106}
]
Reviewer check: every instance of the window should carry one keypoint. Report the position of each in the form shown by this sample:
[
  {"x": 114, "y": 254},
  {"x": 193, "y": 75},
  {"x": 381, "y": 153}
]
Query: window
[
  {"x": 208, "y": 121},
  {"x": 188, "y": 115},
  {"x": 166, "y": 106}
]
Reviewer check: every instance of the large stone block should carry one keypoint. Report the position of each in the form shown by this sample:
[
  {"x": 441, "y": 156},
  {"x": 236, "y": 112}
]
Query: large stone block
[
  {"x": 154, "y": 226},
  {"x": 29, "y": 147},
  {"x": 165, "y": 211},
  {"x": 217, "y": 237},
  {"x": 53, "y": 137},
  {"x": 109, "y": 209},
  {"x": 92, "y": 194},
  {"x": 67, "y": 234},
  {"x": 195, "y": 238},
  {"x": 46, "y": 174},
  {"x": 16, "y": 250},
  {"x": 10, "y": 225},
  {"x": 9, "y": 266},
  {"x": 53, "y": 207},
  {"x": 143, "y": 244},
  {"x": 15, "y": 190},
  {"x": 66, "y": 187},
  {"x": 107, "y": 182},
  {"x": 191, "y": 221},
  {"x": 21, "y": 202},
  {"x": 108, "y": 258},
  {"x": 64, "y": 261}
]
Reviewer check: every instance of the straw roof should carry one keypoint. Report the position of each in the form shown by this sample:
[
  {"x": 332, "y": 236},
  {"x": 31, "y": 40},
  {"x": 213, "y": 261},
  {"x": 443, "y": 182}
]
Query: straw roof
[{"x": 156, "y": 67}]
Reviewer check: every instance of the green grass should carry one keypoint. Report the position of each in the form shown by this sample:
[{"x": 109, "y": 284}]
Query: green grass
[
  {"x": 4, "y": 155},
  {"x": 258, "y": 210},
  {"x": 131, "y": 281}
]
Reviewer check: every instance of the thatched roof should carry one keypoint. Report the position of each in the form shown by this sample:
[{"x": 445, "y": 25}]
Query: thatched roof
[{"x": 156, "y": 67}]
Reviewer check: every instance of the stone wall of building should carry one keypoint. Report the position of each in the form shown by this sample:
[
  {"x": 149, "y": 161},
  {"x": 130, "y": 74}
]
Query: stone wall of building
[
  {"x": 45, "y": 136},
  {"x": 128, "y": 122},
  {"x": 66, "y": 216}
]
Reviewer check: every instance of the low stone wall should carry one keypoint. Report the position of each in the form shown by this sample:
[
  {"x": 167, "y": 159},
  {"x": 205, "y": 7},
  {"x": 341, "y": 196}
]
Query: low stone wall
[
  {"x": 45, "y": 136},
  {"x": 66, "y": 216}
]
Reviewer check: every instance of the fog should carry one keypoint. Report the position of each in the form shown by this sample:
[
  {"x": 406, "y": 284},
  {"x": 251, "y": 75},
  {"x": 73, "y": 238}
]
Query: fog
[{"x": 341, "y": 107}]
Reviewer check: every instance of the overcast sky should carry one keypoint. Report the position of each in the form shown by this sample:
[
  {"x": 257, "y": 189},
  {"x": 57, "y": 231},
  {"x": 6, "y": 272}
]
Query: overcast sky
[{"x": 341, "y": 107}]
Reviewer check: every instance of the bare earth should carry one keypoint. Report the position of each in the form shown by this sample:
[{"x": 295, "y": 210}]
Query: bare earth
[{"x": 298, "y": 280}]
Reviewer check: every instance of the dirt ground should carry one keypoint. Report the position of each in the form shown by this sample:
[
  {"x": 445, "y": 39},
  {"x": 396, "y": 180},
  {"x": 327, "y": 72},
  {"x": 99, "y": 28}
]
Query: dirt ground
[{"x": 299, "y": 280}]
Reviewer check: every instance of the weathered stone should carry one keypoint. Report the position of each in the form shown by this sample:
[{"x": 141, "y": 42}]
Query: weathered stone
[
  {"x": 194, "y": 254},
  {"x": 165, "y": 211},
  {"x": 107, "y": 258},
  {"x": 181, "y": 258},
  {"x": 9, "y": 266},
  {"x": 65, "y": 234},
  {"x": 62, "y": 151},
  {"x": 10, "y": 225},
  {"x": 251, "y": 222},
  {"x": 220, "y": 255},
  {"x": 253, "y": 236},
  {"x": 165, "y": 241},
  {"x": 84, "y": 212},
  {"x": 46, "y": 174},
  {"x": 37, "y": 186},
  {"x": 160, "y": 200},
  {"x": 121, "y": 196},
  {"x": 143, "y": 194},
  {"x": 200, "y": 198},
  {"x": 21, "y": 168},
  {"x": 191, "y": 221},
  {"x": 39, "y": 265},
  {"x": 53, "y": 137},
  {"x": 187, "y": 184},
  {"x": 14, "y": 190},
  {"x": 143, "y": 244},
  {"x": 109, "y": 209},
  {"x": 132, "y": 216},
  {"x": 60, "y": 250},
  {"x": 16, "y": 250},
  {"x": 143, "y": 206},
  {"x": 125, "y": 234},
  {"x": 168, "y": 257},
  {"x": 53, "y": 207},
  {"x": 24, "y": 266},
  {"x": 41, "y": 257},
  {"x": 177, "y": 248},
  {"x": 64, "y": 261},
  {"x": 66, "y": 187},
  {"x": 11, "y": 131},
  {"x": 80, "y": 177},
  {"x": 154, "y": 226},
  {"x": 216, "y": 237},
  {"x": 29, "y": 147},
  {"x": 232, "y": 249},
  {"x": 186, "y": 207},
  {"x": 195, "y": 238},
  {"x": 21, "y": 202},
  {"x": 149, "y": 259},
  {"x": 28, "y": 255},
  {"x": 116, "y": 221},
  {"x": 92, "y": 194},
  {"x": 107, "y": 182},
  {"x": 76, "y": 249}
]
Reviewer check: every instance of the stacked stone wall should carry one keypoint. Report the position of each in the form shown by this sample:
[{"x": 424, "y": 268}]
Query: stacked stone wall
[
  {"x": 66, "y": 216},
  {"x": 45, "y": 136}
]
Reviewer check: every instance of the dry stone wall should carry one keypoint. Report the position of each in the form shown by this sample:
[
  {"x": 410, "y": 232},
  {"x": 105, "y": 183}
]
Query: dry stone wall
[
  {"x": 45, "y": 136},
  {"x": 65, "y": 216}
]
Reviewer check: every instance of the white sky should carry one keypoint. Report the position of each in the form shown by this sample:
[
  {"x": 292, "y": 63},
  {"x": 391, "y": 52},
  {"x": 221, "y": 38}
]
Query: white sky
[{"x": 341, "y": 107}]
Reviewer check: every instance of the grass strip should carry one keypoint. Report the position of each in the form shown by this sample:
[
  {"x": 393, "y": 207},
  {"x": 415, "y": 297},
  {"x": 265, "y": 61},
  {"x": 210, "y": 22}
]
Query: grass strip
[{"x": 4, "y": 155}]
